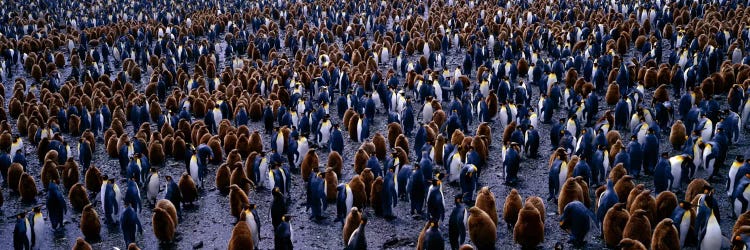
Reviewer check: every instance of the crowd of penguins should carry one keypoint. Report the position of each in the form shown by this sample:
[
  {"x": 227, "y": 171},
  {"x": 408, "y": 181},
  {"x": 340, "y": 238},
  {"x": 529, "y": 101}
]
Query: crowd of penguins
[{"x": 149, "y": 81}]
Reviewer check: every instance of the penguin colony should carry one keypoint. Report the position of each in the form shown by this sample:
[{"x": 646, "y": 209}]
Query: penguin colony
[{"x": 335, "y": 116}]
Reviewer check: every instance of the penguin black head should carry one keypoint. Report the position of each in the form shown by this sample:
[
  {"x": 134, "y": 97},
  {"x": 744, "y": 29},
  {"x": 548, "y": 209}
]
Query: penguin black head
[
  {"x": 287, "y": 218},
  {"x": 685, "y": 204},
  {"x": 168, "y": 178},
  {"x": 739, "y": 158},
  {"x": 633, "y": 137},
  {"x": 665, "y": 155},
  {"x": 37, "y": 209},
  {"x": 458, "y": 198}
]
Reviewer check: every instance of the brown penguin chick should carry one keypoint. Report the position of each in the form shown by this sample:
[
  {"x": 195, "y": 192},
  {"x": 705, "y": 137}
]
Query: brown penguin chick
[
  {"x": 380, "y": 146},
  {"x": 539, "y": 205},
  {"x": 696, "y": 186},
  {"x": 230, "y": 141},
  {"x": 91, "y": 225},
  {"x": 367, "y": 177},
  {"x": 242, "y": 237},
  {"x": 335, "y": 163},
  {"x": 466, "y": 247},
  {"x": 14, "y": 174},
  {"x": 645, "y": 202},
  {"x": 638, "y": 227},
  {"x": 74, "y": 123},
  {"x": 616, "y": 173},
  {"x": 403, "y": 142},
  {"x": 156, "y": 156},
  {"x": 81, "y": 245},
  {"x": 630, "y": 244},
  {"x": 623, "y": 187},
  {"x": 482, "y": 229},
  {"x": 665, "y": 236},
  {"x": 486, "y": 202},
  {"x": 613, "y": 94},
  {"x": 457, "y": 137},
  {"x": 5, "y": 141},
  {"x": 376, "y": 197},
  {"x": 331, "y": 182},
  {"x": 638, "y": 189},
  {"x": 78, "y": 197},
  {"x": 348, "y": 117},
  {"x": 112, "y": 149},
  {"x": 133, "y": 246},
  {"x": 368, "y": 146},
  {"x": 179, "y": 148},
  {"x": 167, "y": 206},
  {"x": 661, "y": 94},
  {"x": 93, "y": 178},
  {"x": 613, "y": 136},
  {"x": 666, "y": 202},
  {"x": 243, "y": 146},
  {"x": 310, "y": 162},
  {"x": 256, "y": 142},
  {"x": 484, "y": 130},
  {"x": 239, "y": 178},
  {"x": 351, "y": 223},
  {"x": 222, "y": 178},
  {"x": 394, "y": 130},
  {"x": 511, "y": 208},
  {"x": 678, "y": 135},
  {"x": 742, "y": 220},
  {"x": 584, "y": 190},
  {"x": 358, "y": 192},
  {"x": 237, "y": 200},
  {"x": 570, "y": 192},
  {"x": 529, "y": 229},
  {"x": 70, "y": 174},
  {"x": 27, "y": 188},
  {"x": 508, "y": 131},
  {"x": 438, "y": 149},
  {"x": 233, "y": 157},
  {"x": 439, "y": 117},
  {"x": 187, "y": 188},
  {"x": 360, "y": 161},
  {"x": 49, "y": 173},
  {"x": 614, "y": 224},
  {"x": 163, "y": 225}
]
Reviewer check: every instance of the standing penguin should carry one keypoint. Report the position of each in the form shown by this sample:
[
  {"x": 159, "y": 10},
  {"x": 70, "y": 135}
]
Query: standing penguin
[
  {"x": 665, "y": 236},
  {"x": 576, "y": 220},
  {"x": 638, "y": 227},
  {"x": 511, "y": 208},
  {"x": 283, "y": 234},
  {"x": 511, "y": 164},
  {"x": 38, "y": 235},
  {"x": 129, "y": 224},
  {"x": 56, "y": 206},
  {"x": 241, "y": 238},
  {"x": 435, "y": 199},
  {"x": 457, "y": 223},
  {"x": 482, "y": 229},
  {"x": 684, "y": 219},
  {"x": 358, "y": 239},
  {"x": 529, "y": 229},
  {"x": 416, "y": 189},
  {"x": 109, "y": 202},
  {"x": 253, "y": 222},
  {"x": 153, "y": 184},
  {"x": 433, "y": 239},
  {"x": 23, "y": 234},
  {"x": 173, "y": 195},
  {"x": 279, "y": 208},
  {"x": 711, "y": 237},
  {"x": 389, "y": 194},
  {"x": 614, "y": 224},
  {"x": 90, "y": 223},
  {"x": 486, "y": 202},
  {"x": 468, "y": 182}
]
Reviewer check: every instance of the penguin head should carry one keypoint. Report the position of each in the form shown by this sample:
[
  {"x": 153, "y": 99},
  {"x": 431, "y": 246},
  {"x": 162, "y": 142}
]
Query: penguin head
[{"x": 286, "y": 218}]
